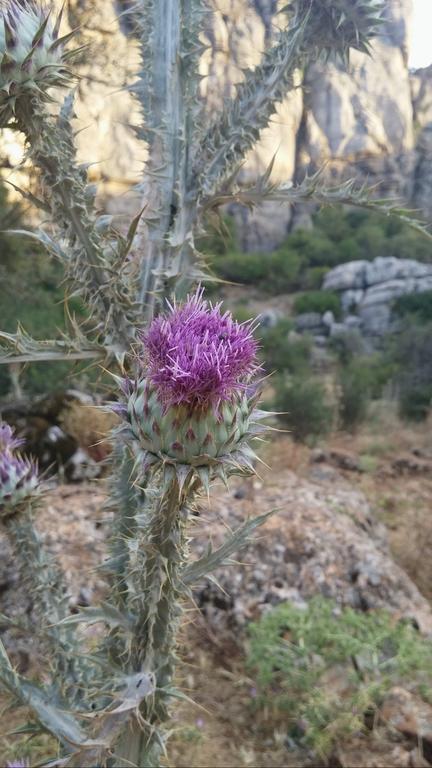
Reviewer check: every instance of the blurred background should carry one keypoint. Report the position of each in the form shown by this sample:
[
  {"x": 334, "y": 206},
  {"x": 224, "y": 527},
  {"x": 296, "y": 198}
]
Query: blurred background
[{"x": 344, "y": 299}]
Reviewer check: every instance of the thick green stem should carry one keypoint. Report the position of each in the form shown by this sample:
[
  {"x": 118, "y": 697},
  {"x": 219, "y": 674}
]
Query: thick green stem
[{"x": 156, "y": 601}]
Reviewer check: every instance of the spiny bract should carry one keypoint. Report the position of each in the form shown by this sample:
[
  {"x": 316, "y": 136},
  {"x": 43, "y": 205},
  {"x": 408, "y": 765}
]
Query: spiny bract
[
  {"x": 32, "y": 58},
  {"x": 178, "y": 432}
]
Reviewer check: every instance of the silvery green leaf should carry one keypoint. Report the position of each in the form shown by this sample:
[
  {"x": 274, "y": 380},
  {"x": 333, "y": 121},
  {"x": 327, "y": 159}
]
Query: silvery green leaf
[
  {"x": 215, "y": 558},
  {"x": 103, "y": 613}
]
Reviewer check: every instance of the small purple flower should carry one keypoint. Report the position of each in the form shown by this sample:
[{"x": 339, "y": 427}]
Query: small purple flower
[
  {"x": 18, "y": 475},
  {"x": 18, "y": 764},
  {"x": 7, "y": 440},
  {"x": 197, "y": 356}
]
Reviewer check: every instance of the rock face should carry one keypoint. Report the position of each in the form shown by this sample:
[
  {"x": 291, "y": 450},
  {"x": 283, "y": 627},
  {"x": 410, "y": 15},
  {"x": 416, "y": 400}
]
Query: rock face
[
  {"x": 368, "y": 289},
  {"x": 364, "y": 117},
  {"x": 374, "y": 121},
  {"x": 322, "y": 540}
]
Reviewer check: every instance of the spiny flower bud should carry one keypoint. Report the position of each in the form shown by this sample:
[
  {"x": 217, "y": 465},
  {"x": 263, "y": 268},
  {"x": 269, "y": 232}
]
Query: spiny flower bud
[
  {"x": 194, "y": 401},
  {"x": 32, "y": 57},
  {"x": 18, "y": 475},
  {"x": 335, "y": 26}
]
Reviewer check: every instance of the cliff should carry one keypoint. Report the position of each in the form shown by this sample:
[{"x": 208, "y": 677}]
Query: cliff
[{"x": 374, "y": 122}]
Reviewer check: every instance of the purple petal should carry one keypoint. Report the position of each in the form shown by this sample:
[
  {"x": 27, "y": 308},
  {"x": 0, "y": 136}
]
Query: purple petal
[{"x": 197, "y": 356}]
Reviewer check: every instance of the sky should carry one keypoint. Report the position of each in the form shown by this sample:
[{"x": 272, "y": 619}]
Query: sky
[{"x": 421, "y": 41}]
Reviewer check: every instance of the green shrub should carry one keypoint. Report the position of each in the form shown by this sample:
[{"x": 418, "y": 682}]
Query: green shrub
[
  {"x": 355, "y": 386},
  {"x": 411, "y": 355},
  {"x": 220, "y": 237},
  {"x": 316, "y": 249},
  {"x": 283, "y": 271},
  {"x": 280, "y": 353},
  {"x": 303, "y": 405},
  {"x": 30, "y": 294},
  {"x": 415, "y": 402},
  {"x": 301, "y": 261},
  {"x": 417, "y": 306},
  {"x": 347, "y": 345},
  {"x": 243, "y": 268},
  {"x": 293, "y": 650},
  {"x": 361, "y": 380},
  {"x": 318, "y": 301},
  {"x": 313, "y": 278}
]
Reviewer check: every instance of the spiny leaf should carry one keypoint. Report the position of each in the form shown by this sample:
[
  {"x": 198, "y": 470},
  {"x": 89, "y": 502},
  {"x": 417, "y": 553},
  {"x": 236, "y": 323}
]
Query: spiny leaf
[
  {"x": 104, "y": 612},
  {"x": 215, "y": 558}
]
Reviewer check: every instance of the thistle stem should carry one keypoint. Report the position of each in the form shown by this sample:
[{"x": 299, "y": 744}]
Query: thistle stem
[
  {"x": 46, "y": 587},
  {"x": 65, "y": 188},
  {"x": 156, "y": 592}
]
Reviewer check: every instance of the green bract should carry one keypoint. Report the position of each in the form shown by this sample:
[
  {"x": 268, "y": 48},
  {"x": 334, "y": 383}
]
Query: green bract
[
  {"x": 191, "y": 437},
  {"x": 215, "y": 440}
]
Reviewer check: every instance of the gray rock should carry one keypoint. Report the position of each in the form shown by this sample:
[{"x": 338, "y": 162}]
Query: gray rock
[
  {"x": 376, "y": 319},
  {"x": 387, "y": 292},
  {"x": 325, "y": 540},
  {"x": 346, "y": 277},
  {"x": 339, "y": 329},
  {"x": 269, "y": 318},
  {"x": 328, "y": 318},
  {"x": 308, "y": 321},
  {"x": 384, "y": 280},
  {"x": 351, "y": 299},
  {"x": 320, "y": 341},
  {"x": 385, "y": 269},
  {"x": 353, "y": 322}
]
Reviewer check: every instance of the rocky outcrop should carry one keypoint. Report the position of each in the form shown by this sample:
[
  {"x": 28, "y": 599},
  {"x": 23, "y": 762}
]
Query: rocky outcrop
[
  {"x": 374, "y": 121},
  {"x": 359, "y": 122},
  {"x": 323, "y": 540},
  {"x": 368, "y": 290},
  {"x": 364, "y": 117}
]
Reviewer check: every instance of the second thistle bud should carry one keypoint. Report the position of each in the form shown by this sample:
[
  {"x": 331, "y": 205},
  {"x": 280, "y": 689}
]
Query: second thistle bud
[
  {"x": 18, "y": 475},
  {"x": 32, "y": 58}
]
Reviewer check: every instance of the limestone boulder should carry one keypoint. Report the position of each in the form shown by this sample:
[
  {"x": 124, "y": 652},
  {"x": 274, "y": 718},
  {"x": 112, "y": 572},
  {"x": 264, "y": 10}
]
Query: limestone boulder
[
  {"x": 350, "y": 276},
  {"x": 324, "y": 539}
]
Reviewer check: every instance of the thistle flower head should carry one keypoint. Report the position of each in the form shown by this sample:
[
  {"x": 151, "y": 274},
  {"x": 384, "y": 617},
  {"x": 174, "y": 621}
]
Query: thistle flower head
[
  {"x": 18, "y": 475},
  {"x": 197, "y": 357},
  {"x": 7, "y": 440},
  {"x": 18, "y": 764},
  {"x": 193, "y": 401},
  {"x": 32, "y": 58}
]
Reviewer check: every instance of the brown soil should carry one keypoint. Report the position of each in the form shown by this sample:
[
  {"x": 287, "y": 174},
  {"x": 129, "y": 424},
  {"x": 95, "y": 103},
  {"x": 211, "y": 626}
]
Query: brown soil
[
  {"x": 221, "y": 729},
  {"x": 398, "y": 484}
]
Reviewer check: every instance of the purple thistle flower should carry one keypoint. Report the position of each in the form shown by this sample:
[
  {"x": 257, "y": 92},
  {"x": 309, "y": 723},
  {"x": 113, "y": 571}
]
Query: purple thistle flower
[
  {"x": 197, "y": 356},
  {"x": 18, "y": 475},
  {"x": 18, "y": 764},
  {"x": 7, "y": 440}
]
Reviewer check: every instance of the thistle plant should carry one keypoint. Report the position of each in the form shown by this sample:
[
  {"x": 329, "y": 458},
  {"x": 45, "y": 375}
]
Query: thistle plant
[{"x": 190, "y": 378}]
